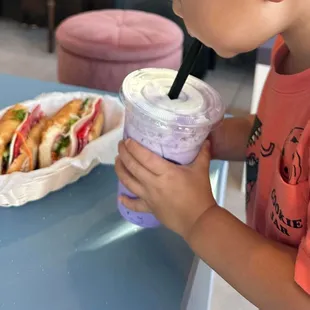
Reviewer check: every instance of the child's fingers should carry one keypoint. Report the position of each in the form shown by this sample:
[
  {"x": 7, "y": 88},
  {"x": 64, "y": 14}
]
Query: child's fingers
[
  {"x": 137, "y": 205},
  {"x": 141, "y": 173},
  {"x": 204, "y": 156},
  {"x": 154, "y": 163},
  {"x": 127, "y": 179}
]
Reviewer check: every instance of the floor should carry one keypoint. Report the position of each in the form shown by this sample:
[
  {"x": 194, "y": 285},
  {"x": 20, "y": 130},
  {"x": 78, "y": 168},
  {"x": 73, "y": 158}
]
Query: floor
[{"x": 23, "y": 52}]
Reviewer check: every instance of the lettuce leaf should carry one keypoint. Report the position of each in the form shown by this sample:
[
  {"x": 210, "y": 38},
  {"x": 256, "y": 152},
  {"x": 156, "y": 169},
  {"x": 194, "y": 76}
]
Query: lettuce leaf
[{"x": 20, "y": 115}]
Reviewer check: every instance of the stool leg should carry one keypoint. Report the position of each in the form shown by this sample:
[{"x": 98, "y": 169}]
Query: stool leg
[{"x": 51, "y": 24}]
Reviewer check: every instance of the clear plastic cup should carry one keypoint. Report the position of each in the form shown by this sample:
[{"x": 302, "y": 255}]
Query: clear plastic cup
[{"x": 173, "y": 129}]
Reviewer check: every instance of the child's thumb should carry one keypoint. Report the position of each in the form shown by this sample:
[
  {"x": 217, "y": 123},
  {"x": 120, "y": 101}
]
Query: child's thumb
[{"x": 204, "y": 156}]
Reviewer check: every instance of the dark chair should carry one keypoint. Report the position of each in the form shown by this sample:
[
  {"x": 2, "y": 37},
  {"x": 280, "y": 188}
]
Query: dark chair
[
  {"x": 41, "y": 13},
  {"x": 51, "y": 25}
]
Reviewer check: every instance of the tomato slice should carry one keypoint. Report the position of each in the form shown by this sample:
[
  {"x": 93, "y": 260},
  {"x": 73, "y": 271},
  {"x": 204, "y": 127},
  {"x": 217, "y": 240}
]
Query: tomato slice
[
  {"x": 83, "y": 132},
  {"x": 82, "y": 136},
  {"x": 23, "y": 132},
  {"x": 54, "y": 156}
]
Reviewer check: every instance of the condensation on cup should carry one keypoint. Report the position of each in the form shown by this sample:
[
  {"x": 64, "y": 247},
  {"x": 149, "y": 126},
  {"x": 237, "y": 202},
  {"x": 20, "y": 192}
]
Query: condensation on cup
[{"x": 173, "y": 129}]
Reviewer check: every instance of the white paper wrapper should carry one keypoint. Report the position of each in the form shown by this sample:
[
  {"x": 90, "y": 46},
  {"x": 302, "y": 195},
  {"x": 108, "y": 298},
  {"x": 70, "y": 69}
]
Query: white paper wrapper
[{"x": 19, "y": 188}]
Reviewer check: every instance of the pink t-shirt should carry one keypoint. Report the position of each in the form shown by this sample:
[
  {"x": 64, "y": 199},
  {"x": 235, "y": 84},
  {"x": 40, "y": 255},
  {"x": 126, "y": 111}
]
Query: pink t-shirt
[{"x": 277, "y": 196}]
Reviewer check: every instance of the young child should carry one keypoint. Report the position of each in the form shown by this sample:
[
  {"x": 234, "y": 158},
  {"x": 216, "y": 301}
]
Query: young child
[{"x": 268, "y": 261}]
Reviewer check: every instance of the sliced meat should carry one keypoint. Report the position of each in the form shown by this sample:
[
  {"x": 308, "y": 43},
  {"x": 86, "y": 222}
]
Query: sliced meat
[
  {"x": 22, "y": 132},
  {"x": 85, "y": 128},
  {"x": 27, "y": 159},
  {"x": 97, "y": 127},
  {"x": 8, "y": 124}
]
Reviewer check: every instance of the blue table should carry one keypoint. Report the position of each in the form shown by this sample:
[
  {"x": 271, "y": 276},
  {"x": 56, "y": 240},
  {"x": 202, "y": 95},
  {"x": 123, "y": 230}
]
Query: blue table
[{"x": 73, "y": 251}]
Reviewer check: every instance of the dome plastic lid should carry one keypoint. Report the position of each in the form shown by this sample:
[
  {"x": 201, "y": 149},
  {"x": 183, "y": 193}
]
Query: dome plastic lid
[{"x": 147, "y": 90}]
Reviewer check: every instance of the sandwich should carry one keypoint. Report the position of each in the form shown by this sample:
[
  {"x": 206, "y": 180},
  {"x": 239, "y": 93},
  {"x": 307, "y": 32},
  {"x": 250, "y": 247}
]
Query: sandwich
[
  {"x": 20, "y": 136},
  {"x": 70, "y": 130}
]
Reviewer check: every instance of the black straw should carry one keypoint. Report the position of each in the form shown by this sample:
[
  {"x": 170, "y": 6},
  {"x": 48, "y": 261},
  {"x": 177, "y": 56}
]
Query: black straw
[{"x": 185, "y": 69}]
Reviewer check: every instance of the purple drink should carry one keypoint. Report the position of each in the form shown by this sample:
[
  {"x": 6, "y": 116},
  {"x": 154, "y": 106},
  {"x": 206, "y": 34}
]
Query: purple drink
[{"x": 173, "y": 129}]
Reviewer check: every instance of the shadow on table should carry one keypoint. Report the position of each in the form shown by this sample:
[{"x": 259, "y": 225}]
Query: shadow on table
[
  {"x": 37, "y": 217},
  {"x": 121, "y": 266}
]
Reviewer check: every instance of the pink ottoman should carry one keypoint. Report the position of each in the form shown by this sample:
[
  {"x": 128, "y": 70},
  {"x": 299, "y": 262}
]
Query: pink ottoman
[{"x": 98, "y": 49}]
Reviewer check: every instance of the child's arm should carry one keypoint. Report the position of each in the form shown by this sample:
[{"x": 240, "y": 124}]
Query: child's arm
[
  {"x": 260, "y": 269},
  {"x": 181, "y": 198},
  {"x": 229, "y": 140}
]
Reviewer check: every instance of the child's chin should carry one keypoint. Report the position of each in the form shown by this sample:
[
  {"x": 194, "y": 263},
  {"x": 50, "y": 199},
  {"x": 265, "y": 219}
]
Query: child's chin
[{"x": 226, "y": 54}]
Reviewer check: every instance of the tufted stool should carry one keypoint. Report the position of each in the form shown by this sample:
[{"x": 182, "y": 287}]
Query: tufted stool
[{"x": 98, "y": 49}]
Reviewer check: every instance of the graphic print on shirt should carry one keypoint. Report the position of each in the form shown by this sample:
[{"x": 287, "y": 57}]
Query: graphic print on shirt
[
  {"x": 267, "y": 151},
  {"x": 291, "y": 173},
  {"x": 278, "y": 218},
  {"x": 252, "y": 163},
  {"x": 290, "y": 165},
  {"x": 252, "y": 160},
  {"x": 256, "y": 131}
]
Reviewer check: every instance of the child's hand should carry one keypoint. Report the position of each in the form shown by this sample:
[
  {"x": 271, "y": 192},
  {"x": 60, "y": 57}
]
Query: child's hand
[{"x": 177, "y": 195}]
